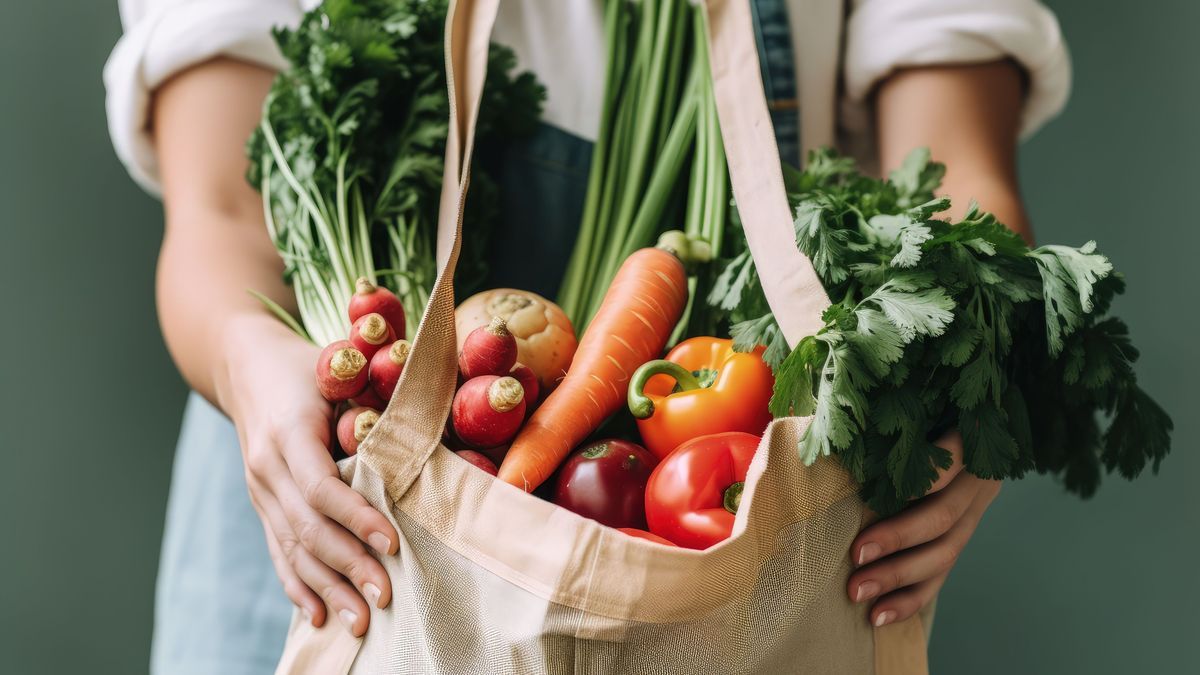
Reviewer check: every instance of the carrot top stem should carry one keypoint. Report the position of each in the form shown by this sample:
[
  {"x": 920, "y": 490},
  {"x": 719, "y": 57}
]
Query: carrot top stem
[{"x": 690, "y": 250}]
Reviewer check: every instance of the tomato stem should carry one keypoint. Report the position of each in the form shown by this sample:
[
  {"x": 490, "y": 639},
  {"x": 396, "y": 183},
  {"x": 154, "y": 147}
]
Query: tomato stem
[{"x": 733, "y": 497}]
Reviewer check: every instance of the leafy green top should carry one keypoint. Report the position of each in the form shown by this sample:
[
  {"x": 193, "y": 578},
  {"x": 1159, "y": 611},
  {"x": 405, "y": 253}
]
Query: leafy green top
[
  {"x": 349, "y": 153},
  {"x": 937, "y": 325}
]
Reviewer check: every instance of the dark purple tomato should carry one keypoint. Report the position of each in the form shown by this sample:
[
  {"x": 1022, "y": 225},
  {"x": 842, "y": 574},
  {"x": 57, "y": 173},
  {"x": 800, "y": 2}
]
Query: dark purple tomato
[{"x": 606, "y": 481}]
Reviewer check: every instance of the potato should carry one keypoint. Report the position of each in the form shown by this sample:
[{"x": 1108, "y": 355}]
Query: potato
[{"x": 545, "y": 338}]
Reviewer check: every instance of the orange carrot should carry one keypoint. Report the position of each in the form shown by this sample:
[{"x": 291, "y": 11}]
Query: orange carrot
[{"x": 640, "y": 309}]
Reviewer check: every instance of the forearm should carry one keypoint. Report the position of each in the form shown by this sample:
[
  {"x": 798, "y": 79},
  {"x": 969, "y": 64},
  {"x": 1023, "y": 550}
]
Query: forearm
[
  {"x": 969, "y": 117},
  {"x": 216, "y": 245}
]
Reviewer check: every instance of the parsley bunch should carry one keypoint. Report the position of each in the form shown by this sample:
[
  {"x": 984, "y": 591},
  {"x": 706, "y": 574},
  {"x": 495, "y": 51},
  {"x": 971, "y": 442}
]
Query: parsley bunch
[
  {"x": 349, "y": 154},
  {"x": 936, "y": 325}
]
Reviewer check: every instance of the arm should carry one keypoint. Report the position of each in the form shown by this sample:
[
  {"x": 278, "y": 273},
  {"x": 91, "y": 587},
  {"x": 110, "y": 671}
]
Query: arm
[
  {"x": 233, "y": 352},
  {"x": 214, "y": 222},
  {"x": 968, "y": 117}
]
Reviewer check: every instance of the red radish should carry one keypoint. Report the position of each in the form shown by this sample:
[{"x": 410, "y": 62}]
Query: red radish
[
  {"x": 369, "y": 298},
  {"x": 354, "y": 425},
  {"x": 528, "y": 380},
  {"x": 478, "y": 460},
  {"x": 341, "y": 371},
  {"x": 488, "y": 411},
  {"x": 488, "y": 350},
  {"x": 495, "y": 454},
  {"x": 370, "y": 333},
  {"x": 386, "y": 367},
  {"x": 451, "y": 439},
  {"x": 368, "y": 398},
  {"x": 545, "y": 338}
]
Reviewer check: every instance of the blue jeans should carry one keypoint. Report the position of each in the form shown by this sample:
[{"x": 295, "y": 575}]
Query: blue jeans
[{"x": 219, "y": 608}]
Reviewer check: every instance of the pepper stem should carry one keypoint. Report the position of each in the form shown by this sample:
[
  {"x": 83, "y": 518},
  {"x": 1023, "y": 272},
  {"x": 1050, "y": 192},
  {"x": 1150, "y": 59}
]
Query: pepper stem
[
  {"x": 640, "y": 404},
  {"x": 733, "y": 497}
]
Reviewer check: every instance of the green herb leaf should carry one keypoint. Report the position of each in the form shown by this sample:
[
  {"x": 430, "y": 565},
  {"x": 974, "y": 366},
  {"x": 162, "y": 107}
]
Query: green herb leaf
[{"x": 1068, "y": 278}]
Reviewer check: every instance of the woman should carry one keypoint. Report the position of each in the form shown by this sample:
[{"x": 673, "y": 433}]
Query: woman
[{"x": 186, "y": 83}]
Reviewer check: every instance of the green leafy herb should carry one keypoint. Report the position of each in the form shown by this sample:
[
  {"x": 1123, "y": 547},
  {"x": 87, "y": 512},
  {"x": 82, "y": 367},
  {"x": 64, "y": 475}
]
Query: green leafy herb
[{"x": 937, "y": 325}]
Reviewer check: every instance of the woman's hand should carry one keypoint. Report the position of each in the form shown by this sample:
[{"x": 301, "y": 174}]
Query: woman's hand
[
  {"x": 244, "y": 360},
  {"x": 315, "y": 524},
  {"x": 904, "y": 560}
]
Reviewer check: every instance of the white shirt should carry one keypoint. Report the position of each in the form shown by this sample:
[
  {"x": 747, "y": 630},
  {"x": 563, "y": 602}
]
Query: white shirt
[{"x": 843, "y": 48}]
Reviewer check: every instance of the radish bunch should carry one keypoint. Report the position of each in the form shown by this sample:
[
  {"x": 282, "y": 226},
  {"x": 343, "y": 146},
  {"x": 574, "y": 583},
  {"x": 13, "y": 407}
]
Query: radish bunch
[
  {"x": 360, "y": 373},
  {"x": 494, "y": 398}
]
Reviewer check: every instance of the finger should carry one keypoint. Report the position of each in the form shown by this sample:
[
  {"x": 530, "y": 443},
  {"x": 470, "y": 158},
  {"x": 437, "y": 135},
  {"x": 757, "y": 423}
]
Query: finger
[
  {"x": 337, "y": 593},
  {"x": 903, "y": 569},
  {"x": 334, "y": 546},
  {"x": 900, "y": 605},
  {"x": 297, "y": 591},
  {"x": 322, "y": 489},
  {"x": 926, "y": 520},
  {"x": 918, "y": 564},
  {"x": 325, "y": 539},
  {"x": 952, "y": 441}
]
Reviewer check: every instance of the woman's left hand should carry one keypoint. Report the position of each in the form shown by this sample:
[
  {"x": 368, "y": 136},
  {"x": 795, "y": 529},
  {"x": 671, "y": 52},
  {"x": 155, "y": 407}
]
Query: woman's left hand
[{"x": 904, "y": 560}]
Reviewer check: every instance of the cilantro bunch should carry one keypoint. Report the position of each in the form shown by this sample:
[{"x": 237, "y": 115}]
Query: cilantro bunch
[
  {"x": 936, "y": 325},
  {"x": 349, "y": 154}
]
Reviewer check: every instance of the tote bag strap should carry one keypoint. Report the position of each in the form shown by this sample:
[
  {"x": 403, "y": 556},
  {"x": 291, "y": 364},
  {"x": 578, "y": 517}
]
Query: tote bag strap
[
  {"x": 411, "y": 427},
  {"x": 792, "y": 287}
]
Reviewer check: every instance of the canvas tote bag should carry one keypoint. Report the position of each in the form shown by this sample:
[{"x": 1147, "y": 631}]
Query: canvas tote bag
[{"x": 489, "y": 579}]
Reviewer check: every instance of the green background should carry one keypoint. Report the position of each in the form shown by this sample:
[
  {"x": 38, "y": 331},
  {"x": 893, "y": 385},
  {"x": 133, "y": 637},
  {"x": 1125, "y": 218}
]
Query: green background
[{"x": 90, "y": 404}]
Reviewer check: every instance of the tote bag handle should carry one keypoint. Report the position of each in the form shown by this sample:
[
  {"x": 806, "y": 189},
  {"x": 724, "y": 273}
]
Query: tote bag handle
[{"x": 411, "y": 427}]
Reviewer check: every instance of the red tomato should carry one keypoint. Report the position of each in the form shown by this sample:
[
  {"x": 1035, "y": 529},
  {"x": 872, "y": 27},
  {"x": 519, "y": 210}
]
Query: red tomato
[
  {"x": 648, "y": 536},
  {"x": 606, "y": 481},
  {"x": 693, "y": 495}
]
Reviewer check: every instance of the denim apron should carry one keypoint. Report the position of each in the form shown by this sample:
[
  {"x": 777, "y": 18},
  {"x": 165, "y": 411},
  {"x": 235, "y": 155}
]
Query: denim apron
[{"x": 219, "y": 607}]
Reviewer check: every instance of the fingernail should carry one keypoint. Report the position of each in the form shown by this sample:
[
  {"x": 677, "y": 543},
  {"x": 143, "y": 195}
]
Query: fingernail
[
  {"x": 380, "y": 542},
  {"x": 867, "y": 553},
  {"x": 866, "y": 591},
  {"x": 372, "y": 592},
  {"x": 884, "y": 618},
  {"x": 348, "y": 618}
]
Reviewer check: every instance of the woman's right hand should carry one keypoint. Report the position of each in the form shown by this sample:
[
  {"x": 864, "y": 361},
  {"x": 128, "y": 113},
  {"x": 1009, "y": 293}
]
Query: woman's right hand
[{"x": 316, "y": 526}]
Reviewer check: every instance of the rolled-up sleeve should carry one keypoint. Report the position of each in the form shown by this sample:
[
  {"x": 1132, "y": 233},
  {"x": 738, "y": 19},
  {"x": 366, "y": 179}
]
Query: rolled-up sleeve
[
  {"x": 885, "y": 35},
  {"x": 164, "y": 37}
]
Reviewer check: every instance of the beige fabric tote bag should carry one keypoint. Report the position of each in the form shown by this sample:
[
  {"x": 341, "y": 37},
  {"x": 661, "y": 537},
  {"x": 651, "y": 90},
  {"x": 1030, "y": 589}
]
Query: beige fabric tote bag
[{"x": 489, "y": 579}]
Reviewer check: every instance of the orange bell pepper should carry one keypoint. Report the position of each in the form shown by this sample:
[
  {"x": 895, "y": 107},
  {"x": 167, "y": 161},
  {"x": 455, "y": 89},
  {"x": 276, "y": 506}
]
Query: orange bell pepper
[{"x": 703, "y": 387}]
